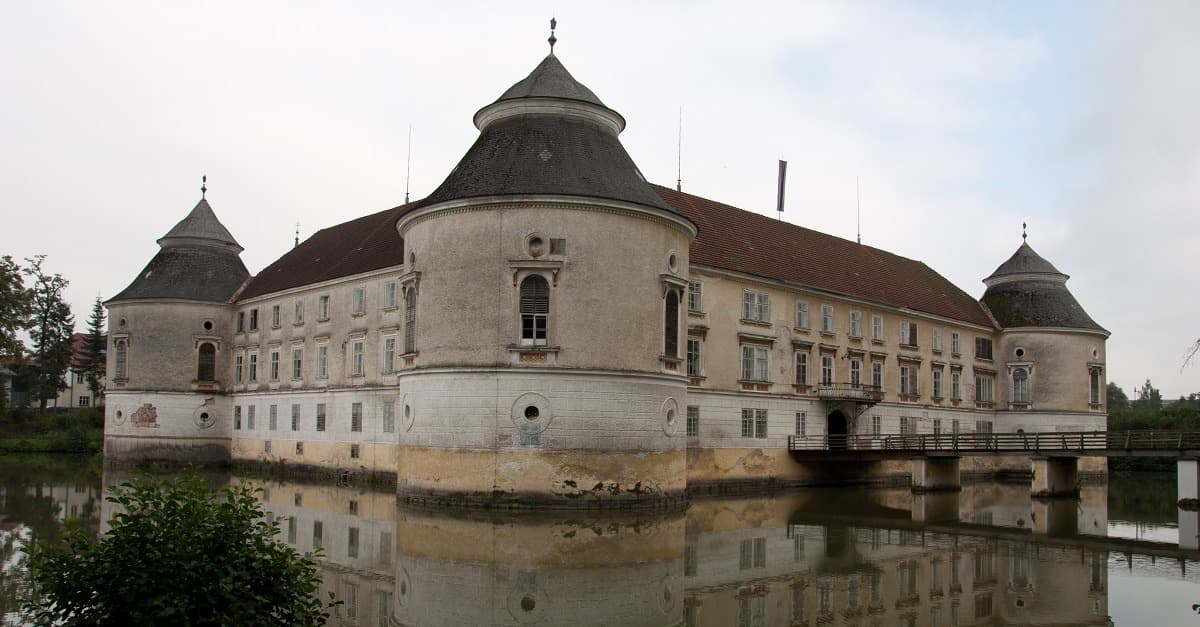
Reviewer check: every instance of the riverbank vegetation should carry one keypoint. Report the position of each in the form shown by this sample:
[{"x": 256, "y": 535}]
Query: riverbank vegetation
[
  {"x": 79, "y": 431},
  {"x": 1148, "y": 411}
]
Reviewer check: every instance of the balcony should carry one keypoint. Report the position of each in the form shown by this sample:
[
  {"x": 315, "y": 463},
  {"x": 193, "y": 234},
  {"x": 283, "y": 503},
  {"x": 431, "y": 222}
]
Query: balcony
[{"x": 857, "y": 392}]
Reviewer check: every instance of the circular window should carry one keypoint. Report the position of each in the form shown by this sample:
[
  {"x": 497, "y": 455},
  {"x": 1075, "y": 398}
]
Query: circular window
[
  {"x": 1020, "y": 352},
  {"x": 535, "y": 244},
  {"x": 670, "y": 416},
  {"x": 208, "y": 325},
  {"x": 673, "y": 262},
  {"x": 409, "y": 413},
  {"x": 670, "y": 408},
  {"x": 119, "y": 417},
  {"x": 1095, "y": 353},
  {"x": 532, "y": 412},
  {"x": 528, "y": 604},
  {"x": 204, "y": 416}
]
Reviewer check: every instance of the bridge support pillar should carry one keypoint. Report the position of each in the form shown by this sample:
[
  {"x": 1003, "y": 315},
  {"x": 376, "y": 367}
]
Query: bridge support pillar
[
  {"x": 1188, "y": 481},
  {"x": 1055, "y": 476},
  {"x": 936, "y": 507},
  {"x": 1056, "y": 516},
  {"x": 934, "y": 474}
]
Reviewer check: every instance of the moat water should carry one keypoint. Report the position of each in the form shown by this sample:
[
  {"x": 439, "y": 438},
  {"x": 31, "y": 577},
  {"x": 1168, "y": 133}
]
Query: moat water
[{"x": 987, "y": 555}]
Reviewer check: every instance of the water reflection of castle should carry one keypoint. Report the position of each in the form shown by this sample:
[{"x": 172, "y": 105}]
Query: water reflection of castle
[{"x": 802, "y": 559}]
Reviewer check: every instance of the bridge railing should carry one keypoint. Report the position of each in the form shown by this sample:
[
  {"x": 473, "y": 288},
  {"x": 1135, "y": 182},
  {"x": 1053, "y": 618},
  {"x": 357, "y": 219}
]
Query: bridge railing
[
  {"x": 850, "y": 392},
  {"x": 1003, "y": 442}
]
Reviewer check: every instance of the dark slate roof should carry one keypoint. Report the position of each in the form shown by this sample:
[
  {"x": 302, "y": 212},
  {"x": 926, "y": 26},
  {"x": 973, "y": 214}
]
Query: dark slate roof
[
  {"x": 750, "y": 243},
  {"x": 201, "y": 223},
  {"x": 368, "y": 243},
  {"x": 546, "y": 154},
  {"x": 188, "y": 272},
  {"x": 550, "y": 80},
  {"x": 1036, "y": 303},
  {"x": 1025, "y": 261}
]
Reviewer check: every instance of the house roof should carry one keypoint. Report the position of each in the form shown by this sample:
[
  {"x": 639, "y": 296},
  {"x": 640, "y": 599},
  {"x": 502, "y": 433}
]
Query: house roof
[
  {"x": 201, "y": 224},
  {"x": 368, "y": 243},
  {"x": 741, "y": 241},
  {"x": 550, "y": 80},
  {"x": 1028, "y": 291},
  {"x": 1024, "y": 261},
  {"x": 79, "y": 346},
  {"x": 189, "y": 273}
]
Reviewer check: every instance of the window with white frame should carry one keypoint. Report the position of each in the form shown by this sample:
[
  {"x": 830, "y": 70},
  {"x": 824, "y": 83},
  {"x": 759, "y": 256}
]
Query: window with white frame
[
  {"x": 801, "y": 367},
  {"x": 323, "y": 307},
  {"x": 937, "y": 339},
  {"x": 984, "y": 388},
  {"x": 802, "y": 424},
  {"x": 121, "y": 367},
  {"x": 1095, "y": 385},
  {"x": 695, "y": 296},
  {"x": 671, "y": 324},
  {"x": 876, "y": 426},
  {"x": 206, "y": 362},
  {"x": 253, "y": 367},
  {"x": 295, "y": 417},
  {"x": 237, "y": 417},
  {"x": 754, "y": 363},
  {"x": 856, "y": 372},
  {"x": 297, "y": 363},
  {"x": 410, "y": 320},
  {"x": 955, "y": 385},
  {"x": 250, "y": 416},
  {"x": 322, "y": 361},
  {"x": 907, "y": 425},
  {"x": 389, "y": 354},
  {"x": 937, "y": 426},
  {"x": 983, "y": 348},
  {"x": 320, "y": 416},
  {"x": 937, "y": 383},
  {"x": 693, "y": 356},
  {"x": 908, "y": 380},
  {"x": 360, "y": 300},
  {"x": 273, "y": 417},
  {"x": 826, "y": 369},
  {"x": 1020, "y": 386},
  {"x": 826, "y": 318},
  {"x": 274, "y": 365},
  {"x": 754, "y": 423},
  {"x": 241, "y": 322},
  {"x": 756, "y": 306},
  {"x": 535, "y": 310},
  {"x": 299, "y": 311},
  {"x": 254, "y": 319},
  {"x": 356, "y": 358},
  {"x": 908, "y": 333},
  {"x": 855, "y": 324},
  {"x": 238, "y": 365},
  {"x": 983, "y": 426},
  {"x": 83, "y": 401},
  {"x": 356, "y": 417},
  {"x": 877, "y": 375},
  {"x": 955, "y": 343},
  {"x": 389, "y": 416},
  {"x": 877, "y": 328},
  {"x": 693, "y": 421},
  {"x": 390, "y": 292},
  {"x": 801, "y": 314}
]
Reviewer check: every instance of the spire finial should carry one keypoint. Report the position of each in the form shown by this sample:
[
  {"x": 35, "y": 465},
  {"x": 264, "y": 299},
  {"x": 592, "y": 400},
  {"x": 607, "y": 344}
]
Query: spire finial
[
  {"x": 203, "y": 186},
  {"x": 1023, "y": 233},
  {"x": 297, "y": 235},
  {"x": 553, "y": 40}
]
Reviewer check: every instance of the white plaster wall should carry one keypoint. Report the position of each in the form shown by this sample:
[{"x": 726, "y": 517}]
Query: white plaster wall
[{"x": 177, "y": 431}]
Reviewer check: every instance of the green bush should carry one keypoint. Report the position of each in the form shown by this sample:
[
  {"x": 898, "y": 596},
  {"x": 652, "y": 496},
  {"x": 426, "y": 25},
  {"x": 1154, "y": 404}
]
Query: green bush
[{"x": 177, "y": 554}]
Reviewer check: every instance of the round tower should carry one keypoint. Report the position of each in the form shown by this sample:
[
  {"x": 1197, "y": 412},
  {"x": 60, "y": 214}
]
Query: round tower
[
  {"x": 545, "y": 278},
  {"x": 169, "y": 333},
  {"x": 1051, "y": 350}
]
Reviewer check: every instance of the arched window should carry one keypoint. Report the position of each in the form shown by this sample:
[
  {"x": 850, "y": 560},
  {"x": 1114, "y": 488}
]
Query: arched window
[
  {"x": 535, "y": 308},
  {"x": 121, "y": 361},
  {"x": 206, "y": 362},
  {"x": 1020, "y": 381},
  {"x": 410, "y": 320},
  {"x": 671, "y": 325}
]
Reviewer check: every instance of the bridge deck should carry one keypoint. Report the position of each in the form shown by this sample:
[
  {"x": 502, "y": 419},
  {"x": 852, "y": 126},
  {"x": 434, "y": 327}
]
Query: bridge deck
[{"x": 1177, "y": 444}]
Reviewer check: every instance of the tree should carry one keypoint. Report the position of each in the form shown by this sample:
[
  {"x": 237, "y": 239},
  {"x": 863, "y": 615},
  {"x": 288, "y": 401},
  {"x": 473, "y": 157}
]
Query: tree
[
  {"x": 1115, "y": 397},
  {"x": 16, "y": 304},
  {"x": 1148, "y": 397},
  {"x": 50, "y": 332},
  {"x": 179, "y": 554},
  {"x": 95, "y": 350}
]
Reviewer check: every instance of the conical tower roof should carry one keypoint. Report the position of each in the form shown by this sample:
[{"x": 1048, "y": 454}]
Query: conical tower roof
[
  {"x": 550, "y": 80},
  {"x": 1028, "y": 291},
  {"x": 1025, "y": 261},
  {"x": 201, "y": 226}
]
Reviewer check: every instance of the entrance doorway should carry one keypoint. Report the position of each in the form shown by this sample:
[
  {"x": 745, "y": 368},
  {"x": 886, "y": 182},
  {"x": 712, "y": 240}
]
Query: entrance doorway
[{"x": 836, "y": 431}]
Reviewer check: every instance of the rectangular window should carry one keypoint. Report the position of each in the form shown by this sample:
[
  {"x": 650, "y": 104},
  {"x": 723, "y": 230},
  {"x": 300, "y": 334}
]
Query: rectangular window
[
  {"x": 983, "y": 348},
  {"x": 937, "y": 383},
  {"x": 801, "y": 314},
  {"x": 299, "y": 449},
  {"x": 297, "y": 363},
  {"x": 937, "y": 340},
  {"x": 756, "y": 306},
  {"x": 273, "y": 417},
  {"x": 83, "y": 401},
  {"x": 876, "y": 426},
  {"x": 241, "y": 322},
  {"x": 410, "y": 320},
  {"x": 352, "y": 542},
  {"x": 855, "y": 372},
  {"x": 908, "y": 380},
  {"x": 906, "y": 425},
  {"x": 237, "y": 368},
  {"x": 237, "y": 417},
  {"x": 826, "y": 318},
  {"x": 937, "y": 426},
  {"x": 877, "y": 375},
  {"x": 826, "y": 369},
  {"x": 1095, "y": 385},
  {"x": 274, "y": 316},
  {"x": 291, "y": 532},
  {"x": 984, "y": 388},
  {"x": 955, "y": 343},
  {"x": 323, "y": 307},
  {"x": 267, "y": 446},
  {"x": 355, "y": 451},
  {"x": 389, "y": 354},
  {"x": 299, "y": 314},
  {"x": 356, "y": 417},
  {"x": 389, "y": 295},
  {"x": 295, "y": 417},
  {"x": 253, "y": 367},
  {"x": 250, "y": 417},
  {"x": 693, "y": 356},
  {"x": 322, "y": 361},
  {"x": 320, "y": 416},
  {"x": 254, "y": 319},
  {"x": 360, "y": 300},
  {"x": 318, "y": 534},
  {"x": 956, "y": 385},
  {"x": 754, "y": 363},
  {"x": 908, "y": 333},
  {"x": 274, "y": 365},
  {"x": 693, "y": 421},
  {"x": 856, "y": 324},
  {"x": 754, "y": 423},
  {"x": 695, "y": 296},
  {"x": 389, "y": 416},
  {"x": 802, "y": 424},
  {"x": 356, "y": 359},
  {"x": 877, "y": 328},
  {"x": 801, "y": 367},
  {"x": 385, "y": 556}
]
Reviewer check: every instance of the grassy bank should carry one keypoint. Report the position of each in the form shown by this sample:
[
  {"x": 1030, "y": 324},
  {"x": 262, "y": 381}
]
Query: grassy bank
[{"x": 79, "y": 431}]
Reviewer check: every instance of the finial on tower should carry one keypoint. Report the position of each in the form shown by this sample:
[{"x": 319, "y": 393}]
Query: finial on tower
[
  {"x": 203, "y": 186},
  {"x": 1023, "y": 233},
  {"x": 297, "y": 235},
  {"x": 553, "y": 40}
]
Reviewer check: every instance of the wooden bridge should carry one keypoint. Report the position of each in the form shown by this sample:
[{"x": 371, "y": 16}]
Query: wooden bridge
[{"x": 1044, "y": 444}]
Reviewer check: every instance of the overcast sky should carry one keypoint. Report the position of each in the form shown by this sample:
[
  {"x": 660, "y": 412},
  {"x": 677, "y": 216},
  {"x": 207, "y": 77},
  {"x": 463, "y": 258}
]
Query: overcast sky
[{"x": 962, "y": 120}]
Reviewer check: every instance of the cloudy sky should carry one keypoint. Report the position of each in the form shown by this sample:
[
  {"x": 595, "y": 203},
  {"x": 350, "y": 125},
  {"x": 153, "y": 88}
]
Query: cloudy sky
[{"x": 962, "y": 120}]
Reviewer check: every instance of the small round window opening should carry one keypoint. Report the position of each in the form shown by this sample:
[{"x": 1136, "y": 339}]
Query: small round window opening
[
  {"x": 528, "y": 604},
  {"x": 204, "y": 417},
  {"x": 670, "y": 416},
  {"x": 208, "y": 325},
  {"x": 673, "y": 262},
  {"x": 1095, "y": 354},
  {"x": 532, "y": 412},
  {"x": 1020, "y": 352}
]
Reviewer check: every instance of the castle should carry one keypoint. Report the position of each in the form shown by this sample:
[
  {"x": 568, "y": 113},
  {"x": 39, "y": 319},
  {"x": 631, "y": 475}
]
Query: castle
[{"x": 548, "y": 328}]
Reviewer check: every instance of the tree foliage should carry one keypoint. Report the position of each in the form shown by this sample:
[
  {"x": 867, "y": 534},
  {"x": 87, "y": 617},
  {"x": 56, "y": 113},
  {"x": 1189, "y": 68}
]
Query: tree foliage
[
  {"x": 1115, "y": 397},
  {"x": 177, "y": 554},
  {"x": 94, "y": 350},
  {"x": 16, "y": 305},
  {"x": 51, "y": 330},
  {"x": 1148, "y": 397}
]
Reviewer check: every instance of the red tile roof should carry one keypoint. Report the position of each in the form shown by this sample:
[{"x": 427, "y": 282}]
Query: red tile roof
[
  {"x": 749, "y": 243},
  {"x": 729, "y": 239}
]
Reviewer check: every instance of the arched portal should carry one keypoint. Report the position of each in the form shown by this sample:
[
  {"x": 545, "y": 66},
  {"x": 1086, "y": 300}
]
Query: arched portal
[{"x": 836, "y": 430}]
